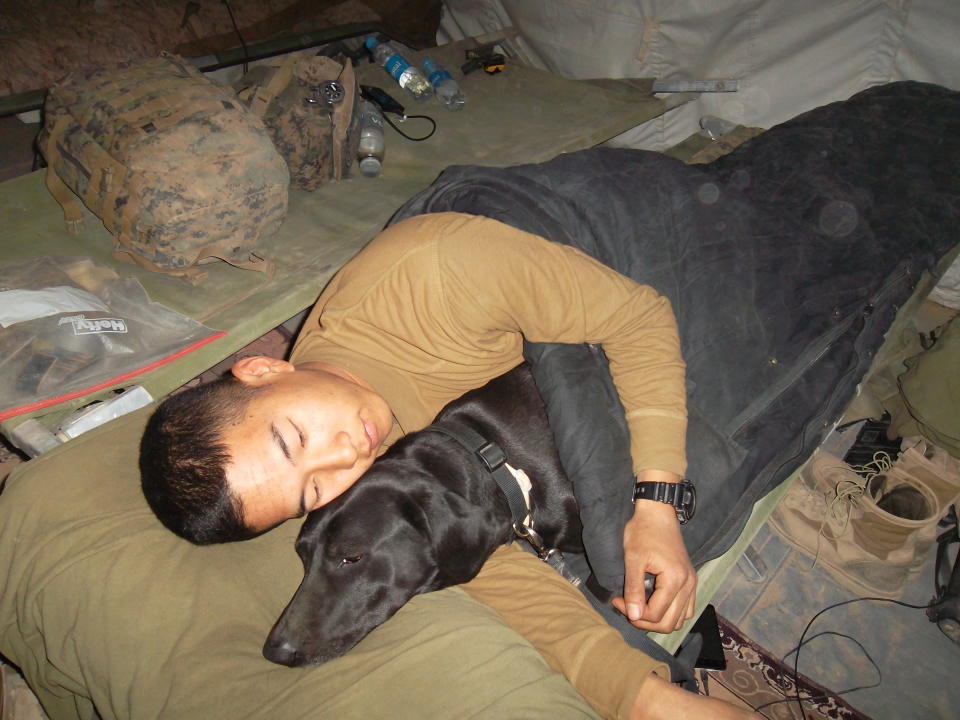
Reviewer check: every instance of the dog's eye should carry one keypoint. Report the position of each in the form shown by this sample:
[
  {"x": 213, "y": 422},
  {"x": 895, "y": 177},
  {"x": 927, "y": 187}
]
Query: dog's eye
[{"x": 350, "y": 560}]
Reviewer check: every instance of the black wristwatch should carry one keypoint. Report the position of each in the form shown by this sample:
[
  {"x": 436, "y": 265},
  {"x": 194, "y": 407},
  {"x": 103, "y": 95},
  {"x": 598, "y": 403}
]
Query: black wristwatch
[{"x": 682, "y": 495}]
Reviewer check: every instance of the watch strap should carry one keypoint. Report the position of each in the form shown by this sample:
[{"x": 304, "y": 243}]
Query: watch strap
[{"x": 681, "y": 495}]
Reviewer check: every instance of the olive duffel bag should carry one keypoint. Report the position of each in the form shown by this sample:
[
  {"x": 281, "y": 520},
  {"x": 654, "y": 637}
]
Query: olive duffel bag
[{"x": 177, "y": 168}]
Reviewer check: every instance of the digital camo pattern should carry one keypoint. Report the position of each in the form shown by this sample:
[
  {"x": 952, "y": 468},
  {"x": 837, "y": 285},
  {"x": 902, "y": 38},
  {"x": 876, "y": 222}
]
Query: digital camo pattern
[
  {"x": 176, "y": 167},
  {"x": 302, "y": 129}
]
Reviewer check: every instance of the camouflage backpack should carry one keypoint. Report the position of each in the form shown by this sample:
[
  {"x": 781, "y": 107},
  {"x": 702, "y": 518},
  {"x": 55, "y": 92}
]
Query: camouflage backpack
[
  {"x": 175, "y": 167},
  {"x": 310, "y": 105}
]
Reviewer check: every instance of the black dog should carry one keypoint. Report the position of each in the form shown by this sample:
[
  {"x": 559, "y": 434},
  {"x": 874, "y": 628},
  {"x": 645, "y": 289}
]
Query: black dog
[{"x": 426, "y": 516}]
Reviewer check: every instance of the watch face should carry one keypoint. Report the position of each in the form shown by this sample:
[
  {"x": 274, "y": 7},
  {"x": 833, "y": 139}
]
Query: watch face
[{"x": 689, "y": 500}]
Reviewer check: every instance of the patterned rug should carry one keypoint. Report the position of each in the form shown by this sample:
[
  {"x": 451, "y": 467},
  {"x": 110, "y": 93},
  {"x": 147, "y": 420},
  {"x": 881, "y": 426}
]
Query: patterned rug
[{"x": 756, "y": 678}]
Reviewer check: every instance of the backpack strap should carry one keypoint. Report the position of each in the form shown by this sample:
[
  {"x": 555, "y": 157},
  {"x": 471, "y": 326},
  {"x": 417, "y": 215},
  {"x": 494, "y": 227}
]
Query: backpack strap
[
  {"x": 192, "y": 273},
  {"x": 72, "y": 211},
  {"x": 342, "y": 117},
  {"x": 109, "y": 178},
  {"x": 265, "y": 94}
]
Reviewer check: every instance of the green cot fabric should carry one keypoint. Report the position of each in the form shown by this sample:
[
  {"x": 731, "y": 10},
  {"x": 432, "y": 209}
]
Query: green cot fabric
[{"x": 110, "y": 615}]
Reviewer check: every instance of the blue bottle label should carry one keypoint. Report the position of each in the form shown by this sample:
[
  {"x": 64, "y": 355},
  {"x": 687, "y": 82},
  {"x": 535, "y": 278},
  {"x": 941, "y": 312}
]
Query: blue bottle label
[
  {"x": 438, "y": 76},
  {"x": 395, "y": 65}
]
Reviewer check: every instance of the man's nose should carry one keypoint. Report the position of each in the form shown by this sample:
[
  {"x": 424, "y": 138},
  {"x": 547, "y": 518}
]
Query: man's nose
[{"x": 343, "y": 451}]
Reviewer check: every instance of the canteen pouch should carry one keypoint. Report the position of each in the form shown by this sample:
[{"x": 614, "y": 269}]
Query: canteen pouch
[{"x": 310, "y": 106}]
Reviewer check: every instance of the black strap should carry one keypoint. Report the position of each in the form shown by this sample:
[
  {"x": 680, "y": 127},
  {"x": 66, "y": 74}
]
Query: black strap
[
  {"x": 493, "y": 459},
  {"x": 605, "y": 595},
  {"x": 599, "y": 591}
]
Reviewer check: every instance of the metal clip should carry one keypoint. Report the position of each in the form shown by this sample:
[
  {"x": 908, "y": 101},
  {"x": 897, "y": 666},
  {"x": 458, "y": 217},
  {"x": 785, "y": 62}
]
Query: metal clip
[
  {"x": 551, "y": 556},
  {"x": 327, "y": 94},
  {"x": 532, "y": 537}
]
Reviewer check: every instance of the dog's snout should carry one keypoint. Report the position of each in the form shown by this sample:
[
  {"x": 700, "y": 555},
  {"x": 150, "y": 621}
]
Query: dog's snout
[{"x": 281, "y": 651}]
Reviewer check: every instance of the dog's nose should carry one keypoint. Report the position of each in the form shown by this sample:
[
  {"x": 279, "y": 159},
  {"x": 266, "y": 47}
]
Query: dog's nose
[{"x": 281, "y": 652}]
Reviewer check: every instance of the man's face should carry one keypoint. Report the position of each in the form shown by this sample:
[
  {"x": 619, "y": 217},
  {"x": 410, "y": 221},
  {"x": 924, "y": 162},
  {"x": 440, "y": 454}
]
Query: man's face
[{"x": 304, "y": 439}]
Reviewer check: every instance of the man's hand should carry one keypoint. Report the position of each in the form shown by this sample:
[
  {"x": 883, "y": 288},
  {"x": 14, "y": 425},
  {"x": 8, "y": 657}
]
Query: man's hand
[{"x": 652, "y": 544}]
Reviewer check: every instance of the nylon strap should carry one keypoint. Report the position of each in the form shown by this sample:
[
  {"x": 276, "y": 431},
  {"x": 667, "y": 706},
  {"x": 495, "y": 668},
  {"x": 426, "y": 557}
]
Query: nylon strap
[
  {"x": 128, "y": 101},
  {"x": 72, "y": 213},
  {"x": 493, "y": 459},
  {"x": 341, "y": 117},
  {"x": 265, "y": 94},
  {"x": 191, "y": 273},
  {"x": 108, "y": 180}
]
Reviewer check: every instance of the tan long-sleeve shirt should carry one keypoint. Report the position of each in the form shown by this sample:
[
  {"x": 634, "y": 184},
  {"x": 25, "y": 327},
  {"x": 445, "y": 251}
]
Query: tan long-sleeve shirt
[{"x": 440, "y": 304}]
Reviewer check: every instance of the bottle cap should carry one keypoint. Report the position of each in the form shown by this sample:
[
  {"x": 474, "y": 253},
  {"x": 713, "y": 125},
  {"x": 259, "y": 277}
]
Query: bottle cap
[
  {"x": 370, "y": 166},
  {"x": 371, "y": 43}
]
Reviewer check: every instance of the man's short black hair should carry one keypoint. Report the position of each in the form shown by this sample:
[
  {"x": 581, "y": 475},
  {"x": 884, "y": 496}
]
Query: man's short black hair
[{"x": 183, "y": 461}]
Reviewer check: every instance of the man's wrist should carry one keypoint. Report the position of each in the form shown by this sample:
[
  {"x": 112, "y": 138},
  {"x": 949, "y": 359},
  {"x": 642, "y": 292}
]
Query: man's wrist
[
  {"x": 652, "y": 506},
  {"x": 653, "y": 475},
  {"x": 666, "y": 490}
]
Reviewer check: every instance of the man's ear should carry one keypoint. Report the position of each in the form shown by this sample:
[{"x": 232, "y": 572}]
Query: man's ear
[{"x": 259, "y": 369}]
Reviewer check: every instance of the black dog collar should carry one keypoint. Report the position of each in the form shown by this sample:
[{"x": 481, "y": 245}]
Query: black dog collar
[{"x": 494, "y": 459}]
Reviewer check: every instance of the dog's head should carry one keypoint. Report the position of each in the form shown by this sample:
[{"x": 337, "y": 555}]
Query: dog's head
[
  {"x": 396, "y": 533},
  {"x": 364, "y": 555}
]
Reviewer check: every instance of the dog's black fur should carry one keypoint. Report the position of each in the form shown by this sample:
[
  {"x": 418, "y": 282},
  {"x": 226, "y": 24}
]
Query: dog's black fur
[{"x": 424, "y": 517}]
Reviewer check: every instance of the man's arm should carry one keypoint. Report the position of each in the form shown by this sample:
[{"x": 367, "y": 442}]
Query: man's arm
[
  {"x": 499, "y": 282},
  {"x": 500, "y": 279},
  {"x": 573, "y": 639}
]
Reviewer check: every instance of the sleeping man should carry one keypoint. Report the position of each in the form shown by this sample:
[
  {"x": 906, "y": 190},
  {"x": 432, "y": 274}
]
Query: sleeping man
[
  {"x": 434, "y": 306},
  {"x": 785, "y": 263}
]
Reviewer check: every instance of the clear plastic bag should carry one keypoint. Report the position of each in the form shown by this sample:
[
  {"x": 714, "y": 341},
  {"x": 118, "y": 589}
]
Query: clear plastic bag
[{"x": 70, "y": 326}]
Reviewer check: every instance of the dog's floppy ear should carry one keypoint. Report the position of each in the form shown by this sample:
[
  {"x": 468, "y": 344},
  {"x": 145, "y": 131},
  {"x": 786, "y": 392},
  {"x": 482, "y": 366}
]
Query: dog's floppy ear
[
  {"x": 453, "y": 529},
  {"x": 415, "y": 509},
  {"x": 464, "y": 534}
]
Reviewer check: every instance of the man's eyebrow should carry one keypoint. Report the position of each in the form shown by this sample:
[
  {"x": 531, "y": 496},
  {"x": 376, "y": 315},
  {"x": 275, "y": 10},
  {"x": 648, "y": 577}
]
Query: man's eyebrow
[{"x": 281, "y": 443}]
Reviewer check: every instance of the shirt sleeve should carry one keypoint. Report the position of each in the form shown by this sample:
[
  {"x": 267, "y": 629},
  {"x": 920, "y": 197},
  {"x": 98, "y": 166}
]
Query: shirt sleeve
[
  {"x": 573, "y": 638},
  {"x": 496, "y": 278}
]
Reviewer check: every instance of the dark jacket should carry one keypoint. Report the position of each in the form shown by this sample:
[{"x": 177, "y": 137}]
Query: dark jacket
[{"x": 785, "y": 261}]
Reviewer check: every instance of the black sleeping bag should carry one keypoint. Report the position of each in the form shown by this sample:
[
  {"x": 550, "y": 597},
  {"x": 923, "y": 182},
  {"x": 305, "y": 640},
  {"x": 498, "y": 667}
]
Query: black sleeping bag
[{"x": 785, "y": 262}]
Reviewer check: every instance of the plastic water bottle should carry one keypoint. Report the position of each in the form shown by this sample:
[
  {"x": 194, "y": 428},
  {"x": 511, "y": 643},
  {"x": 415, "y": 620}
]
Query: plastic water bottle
[
  {"x": 371, "y": 148},
  {"x": 446, "y": 88},
  {"x": 406, "y": 75}
]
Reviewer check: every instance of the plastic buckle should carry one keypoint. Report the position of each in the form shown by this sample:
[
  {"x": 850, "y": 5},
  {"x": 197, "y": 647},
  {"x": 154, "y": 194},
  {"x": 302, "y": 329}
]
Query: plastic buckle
[{"x": 492, "y": 455}]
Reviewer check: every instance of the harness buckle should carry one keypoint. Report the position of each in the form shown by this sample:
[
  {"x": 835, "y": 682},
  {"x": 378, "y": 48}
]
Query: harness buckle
[{"x": 492, "y": 455}]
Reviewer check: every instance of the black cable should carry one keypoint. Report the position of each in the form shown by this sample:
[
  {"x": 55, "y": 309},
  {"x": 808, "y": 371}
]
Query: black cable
[
  {"x": 859, "y": 645},
  {"x": 823, "y": 696},
  {"x": 410, "y": 117},
  {"x": 246, "y": 54},
  {"x": 804, "y": 640}
]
